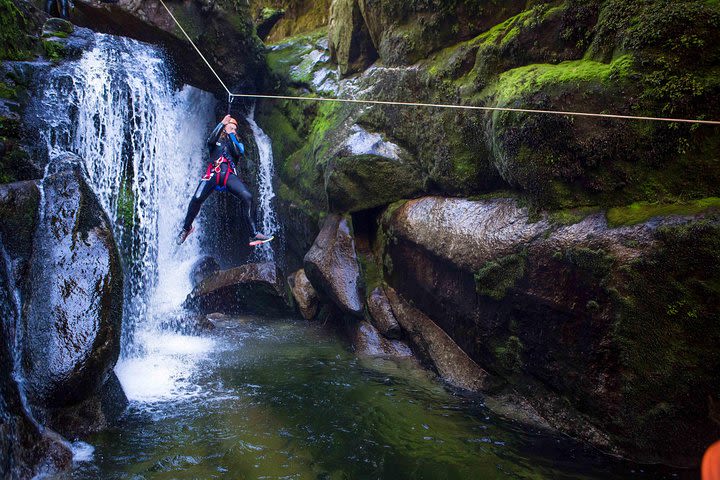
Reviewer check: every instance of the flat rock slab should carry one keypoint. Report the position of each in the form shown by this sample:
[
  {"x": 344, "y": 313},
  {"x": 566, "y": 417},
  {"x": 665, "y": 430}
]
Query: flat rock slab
[
  {"x": 250, "y": 288},
  {"x": 451, "y": 362},
  {"x": 369, "y": 342}
]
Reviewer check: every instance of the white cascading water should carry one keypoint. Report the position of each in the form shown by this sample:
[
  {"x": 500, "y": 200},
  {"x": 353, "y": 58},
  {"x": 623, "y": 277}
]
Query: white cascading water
[
  {"x": 143, "y": 143},
  {"x": 266, "y": 171}
]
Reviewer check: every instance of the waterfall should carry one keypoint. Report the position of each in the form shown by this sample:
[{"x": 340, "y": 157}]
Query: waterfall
[
  {"x": 266, "y": 171},
  {"x": 143, "y": 143}
]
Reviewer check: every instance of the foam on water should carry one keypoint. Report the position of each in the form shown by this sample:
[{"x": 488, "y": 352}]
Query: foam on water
[
  {"x": 82, "y": 452},
  {"x": 165, "y": 370}
]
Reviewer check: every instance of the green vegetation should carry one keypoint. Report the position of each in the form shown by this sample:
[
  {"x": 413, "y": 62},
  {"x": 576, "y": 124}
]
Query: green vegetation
[
  {"x": 640, "y": 212},
  {"x": 15, "y": 44},
  {"x": 510, "y": 354},
  {"x": 7, "y": 91},
  {"x": 668, "y": 333},
  {"x": 496, "y": 277},
  {"x": 54, "y": 51},
  {"x": 512, "y": 84}
]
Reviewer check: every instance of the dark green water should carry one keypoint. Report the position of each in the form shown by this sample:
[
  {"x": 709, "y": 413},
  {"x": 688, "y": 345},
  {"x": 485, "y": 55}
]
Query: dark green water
[{"x": 285, "y": 399}]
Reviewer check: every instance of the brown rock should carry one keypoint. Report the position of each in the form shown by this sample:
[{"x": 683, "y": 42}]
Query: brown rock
[
  {"x": 368, "y": 341},
  {"x": 250, "y": 288},
  {"x": 304, "y": 294},
  {"x": 453, "y": 365},
  {"x": 382, "y": 315},
  {"x": 332, "y": 268}
]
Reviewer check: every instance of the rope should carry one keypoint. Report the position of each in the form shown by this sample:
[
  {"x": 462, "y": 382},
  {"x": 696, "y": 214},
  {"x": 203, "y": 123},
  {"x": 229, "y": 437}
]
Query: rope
[{"x": 432, "y": 105}]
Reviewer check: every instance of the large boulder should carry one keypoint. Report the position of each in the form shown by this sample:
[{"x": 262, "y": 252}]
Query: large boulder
[
  {"x": 332, "y": 266},
  {"x": 251, "y": 288},
  {"x": 304, "y": 294},
  {"x": 584, "y": 319},
  {"x": 74, "y": 302}
]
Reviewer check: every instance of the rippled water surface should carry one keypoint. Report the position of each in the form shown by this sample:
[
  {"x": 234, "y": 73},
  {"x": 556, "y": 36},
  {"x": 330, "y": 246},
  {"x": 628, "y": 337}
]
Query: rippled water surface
[{"x": 262, "y": 398}]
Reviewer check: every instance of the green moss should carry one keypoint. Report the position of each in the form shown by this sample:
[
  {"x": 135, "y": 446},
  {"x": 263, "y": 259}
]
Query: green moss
[
  {"x": 7, "y": 91},
  {"x": 513, "y": 84},
  {"x": 509, "y": 354},
  {"x": 14, "y": 27},
  {"x": 668, "y": 333},
  {"x": 572, "y": 216},
  {"x": 640, "y": 212},
  {"x": 598, "y": 262},
  {"x": 496, "y": 277},
  {"x": 54, "y": 51},
  {"x": 371, "y": 271}
]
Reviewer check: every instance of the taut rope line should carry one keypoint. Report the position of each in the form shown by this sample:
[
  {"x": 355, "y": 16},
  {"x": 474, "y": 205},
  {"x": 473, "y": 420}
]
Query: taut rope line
[{"x": 232, "y": 95}]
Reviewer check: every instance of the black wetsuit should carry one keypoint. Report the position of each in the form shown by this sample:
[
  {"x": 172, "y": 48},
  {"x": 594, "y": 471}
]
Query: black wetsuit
[{"x": 229, "y": 147}]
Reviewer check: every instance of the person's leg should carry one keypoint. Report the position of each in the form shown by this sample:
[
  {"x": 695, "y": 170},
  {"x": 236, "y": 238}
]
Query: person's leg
[
  {"x": 239, "y": 190},
  {"x": 203, "y": 191}
]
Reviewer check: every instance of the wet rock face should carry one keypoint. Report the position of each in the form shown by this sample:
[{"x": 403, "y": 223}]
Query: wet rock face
[
  {"x": 304, "y": 294},
  {"x": 250, "y": 288},
  {"x": 381, "y": 313},
  {"x": 23, "y": 447},
  {"x": 332, "y": 266},
  {"x": 73, "y": 310},
  {"x": 19, "y": 204},
  {"x": 369, "y": 342},
  {"x": 224, "y": 28},
  {"x": 581, "y": 312}
]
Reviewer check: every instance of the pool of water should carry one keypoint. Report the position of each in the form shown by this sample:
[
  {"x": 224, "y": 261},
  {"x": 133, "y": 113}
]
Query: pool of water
[{"x": 286, "y": 399}]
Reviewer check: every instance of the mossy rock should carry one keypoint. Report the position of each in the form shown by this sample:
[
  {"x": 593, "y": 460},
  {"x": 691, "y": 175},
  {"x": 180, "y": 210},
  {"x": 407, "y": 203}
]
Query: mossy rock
[
  {"x": 15, "y": 29},
  {"x": 362, "y": 182},
  {"x": 668, "y": 335}
]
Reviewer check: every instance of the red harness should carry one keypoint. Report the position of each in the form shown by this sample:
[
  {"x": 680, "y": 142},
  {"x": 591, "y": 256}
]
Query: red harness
[{"x": 214, "y": 167}]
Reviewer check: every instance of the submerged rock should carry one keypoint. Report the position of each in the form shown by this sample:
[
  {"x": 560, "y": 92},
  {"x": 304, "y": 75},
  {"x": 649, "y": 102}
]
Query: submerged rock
[
  {"x": 368, "y": 341},
  {"x": 73, "y": 310},
  {"x": 583, "y": 312},
  {"x": 304, "y": 294},
  {"x": 381, "y": 314},
  {"x": 332, "y": 266},
  {"x": 250, "y": 288}
]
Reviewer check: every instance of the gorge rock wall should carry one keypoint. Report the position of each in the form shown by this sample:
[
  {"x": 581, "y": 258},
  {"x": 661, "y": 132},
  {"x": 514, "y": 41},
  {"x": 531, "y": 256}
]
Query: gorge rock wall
[{"x": 570, "y": 259}]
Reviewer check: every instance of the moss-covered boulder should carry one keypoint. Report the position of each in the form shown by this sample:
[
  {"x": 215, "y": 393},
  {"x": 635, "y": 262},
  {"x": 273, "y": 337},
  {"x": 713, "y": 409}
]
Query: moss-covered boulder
[
  {"x": 298, "y": 16},
  {"x": 612, "y": 327}
]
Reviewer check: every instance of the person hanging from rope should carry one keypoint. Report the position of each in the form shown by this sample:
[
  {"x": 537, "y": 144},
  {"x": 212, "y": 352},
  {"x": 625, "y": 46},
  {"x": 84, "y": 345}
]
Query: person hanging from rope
[{"x": 225, "y": 150}]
